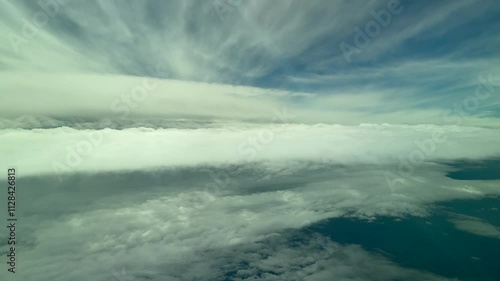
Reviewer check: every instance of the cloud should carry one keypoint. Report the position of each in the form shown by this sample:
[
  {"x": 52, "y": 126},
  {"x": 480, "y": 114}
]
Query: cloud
[
  {"x": 125, "y": 97},
  {"x": 212, "y": 210},
  {"x": 475, "y": 226},
  {"x": 107, "y": 222},
  {"x": 190, "y": 192},
  {"x": 118, "y": 98},
  {"x": 86, "y": 150},
  {"x": 158, "y": 140},
  {"x": 200, "y": 47}
]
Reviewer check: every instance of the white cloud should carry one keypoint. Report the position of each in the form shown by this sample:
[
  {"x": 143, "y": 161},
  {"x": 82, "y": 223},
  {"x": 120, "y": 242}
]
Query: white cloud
[
  {"x": 111, "y": 222},
  {"x": 89, "y": 150},
  {"x": 121, "y": 214},
  {"x": 475, "y": 226},
  {"x": 136, "y": 169},
  {"x": 124, "y": 98}
]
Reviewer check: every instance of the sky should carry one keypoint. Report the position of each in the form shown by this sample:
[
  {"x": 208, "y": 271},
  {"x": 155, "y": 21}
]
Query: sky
[
  {"x": 418, "y": 62},
  {"x": 195, "y": 140}
]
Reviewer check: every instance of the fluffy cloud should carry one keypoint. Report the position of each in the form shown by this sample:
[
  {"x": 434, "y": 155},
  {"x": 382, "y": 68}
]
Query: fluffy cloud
[
  {"x": 63, "y": 150},
  {"x": 107, "y": 222},
  {"x": 205, "y": 205}
]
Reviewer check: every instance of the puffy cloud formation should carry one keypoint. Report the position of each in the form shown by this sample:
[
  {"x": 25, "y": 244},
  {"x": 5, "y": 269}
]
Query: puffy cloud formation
[
  {"x": 166, "y": 224},
  {"x": 63, "y": 150},
  {"x": 180, "y": 204}
]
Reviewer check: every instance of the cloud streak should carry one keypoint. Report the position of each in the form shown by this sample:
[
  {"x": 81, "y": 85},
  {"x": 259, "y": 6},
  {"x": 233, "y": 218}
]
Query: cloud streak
[{"x": 155, "y": 141}]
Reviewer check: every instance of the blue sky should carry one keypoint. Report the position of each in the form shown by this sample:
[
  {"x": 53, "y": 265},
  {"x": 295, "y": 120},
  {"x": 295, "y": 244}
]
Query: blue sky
[{"x": 426, "y": 58}]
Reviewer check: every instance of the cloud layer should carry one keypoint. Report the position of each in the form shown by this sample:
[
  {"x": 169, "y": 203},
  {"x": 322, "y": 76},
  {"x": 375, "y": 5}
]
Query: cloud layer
[{"x": 195, "y": 140}]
